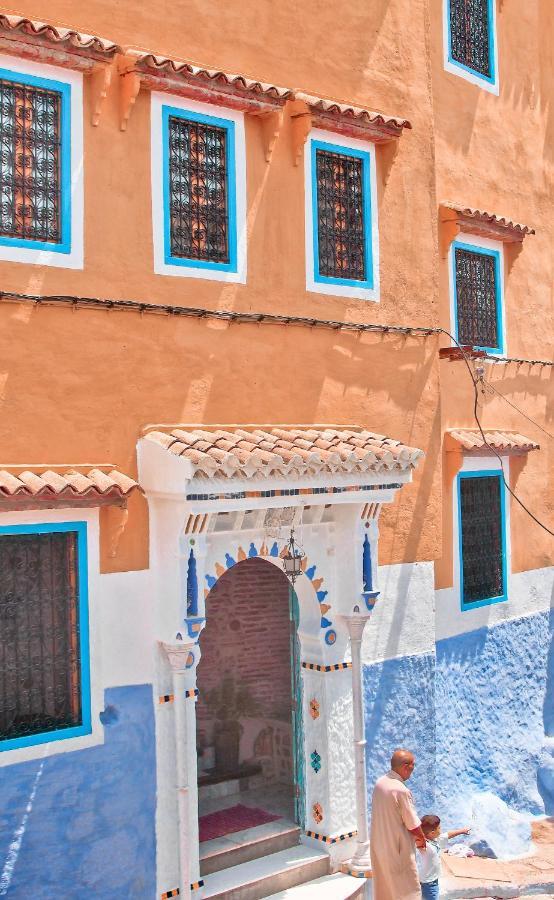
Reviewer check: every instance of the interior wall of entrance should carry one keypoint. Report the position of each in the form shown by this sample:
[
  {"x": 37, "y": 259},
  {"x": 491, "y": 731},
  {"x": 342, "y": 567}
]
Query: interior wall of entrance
[{"x": 244, "y": 708}]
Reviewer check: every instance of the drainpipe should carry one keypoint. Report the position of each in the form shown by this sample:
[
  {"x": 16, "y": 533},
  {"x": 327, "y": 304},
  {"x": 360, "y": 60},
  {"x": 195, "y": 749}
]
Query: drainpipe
[
  {"x": 180, "y": 658},
  {"x": 360, "y": 864}
]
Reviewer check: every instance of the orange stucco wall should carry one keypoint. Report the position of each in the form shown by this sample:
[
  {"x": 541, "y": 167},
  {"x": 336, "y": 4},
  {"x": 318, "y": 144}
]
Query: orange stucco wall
[{"x": 79, "y": 386}]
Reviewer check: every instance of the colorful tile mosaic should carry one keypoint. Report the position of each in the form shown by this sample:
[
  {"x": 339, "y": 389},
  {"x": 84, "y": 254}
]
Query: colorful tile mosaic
[
  {"x": 315, "y": 761},
  {"x": 196, "y": 885},
  {"x": 331, "y": 840},
  {"x": 314, "y": 708},
  {"x": 315, "y": 667},
  {"x": 264, "y": 551},
  {"x": 168, "y": 894},
  {"x": 294, "y": 492},
  {"x": 317, "y": 813},
  {"x": 169, "y": 698}
]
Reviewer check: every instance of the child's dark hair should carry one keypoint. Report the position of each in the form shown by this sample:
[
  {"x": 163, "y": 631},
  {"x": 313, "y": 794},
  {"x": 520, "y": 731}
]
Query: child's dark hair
[{"x": 430, "y": 823}]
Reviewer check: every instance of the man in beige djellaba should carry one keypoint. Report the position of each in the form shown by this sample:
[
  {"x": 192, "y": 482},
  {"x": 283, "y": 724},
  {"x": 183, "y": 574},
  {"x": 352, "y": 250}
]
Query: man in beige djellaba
[{"x": 395, "y": 833}]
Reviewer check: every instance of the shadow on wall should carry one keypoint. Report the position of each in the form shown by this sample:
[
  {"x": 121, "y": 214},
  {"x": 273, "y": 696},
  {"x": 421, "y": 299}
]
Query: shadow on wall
[
  {"x": 545, "y": 774},
  {"x": 400, "y": 712}
]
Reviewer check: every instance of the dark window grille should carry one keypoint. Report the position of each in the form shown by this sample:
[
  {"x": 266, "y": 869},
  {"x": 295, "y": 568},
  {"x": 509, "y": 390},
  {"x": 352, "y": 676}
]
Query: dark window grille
[
  {"x": 476, "y": 298},
  {"x": 30, "y": 162},
  {"x": 340, "y": 216},
  {"x": 198, "y": 203},
  {"x": 482, "y": 539},
  {"x": 470, "y": 34},
  {"x": 40, "y": 670}
]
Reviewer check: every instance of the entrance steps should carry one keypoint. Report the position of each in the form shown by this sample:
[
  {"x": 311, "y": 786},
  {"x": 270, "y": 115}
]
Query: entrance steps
[
  {"x": 267, "y": 875},
  {"x": 330, "y": 887},
  {"x": 243, "y": 846}
]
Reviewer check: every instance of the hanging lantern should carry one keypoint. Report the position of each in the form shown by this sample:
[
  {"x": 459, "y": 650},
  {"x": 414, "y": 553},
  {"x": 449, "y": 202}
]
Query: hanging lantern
[{"x": 292, "y": 559}]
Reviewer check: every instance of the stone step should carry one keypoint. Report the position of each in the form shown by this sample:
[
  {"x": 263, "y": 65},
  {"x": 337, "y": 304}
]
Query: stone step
[
  {"x": 267, "y": 875},
  {"x": 330, "y": 887},
  {"x": 248, "y": 844}
]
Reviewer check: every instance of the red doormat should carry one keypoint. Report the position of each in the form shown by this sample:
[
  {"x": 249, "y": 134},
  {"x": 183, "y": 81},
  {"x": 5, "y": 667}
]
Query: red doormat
[{"x": 235, "y": 818}]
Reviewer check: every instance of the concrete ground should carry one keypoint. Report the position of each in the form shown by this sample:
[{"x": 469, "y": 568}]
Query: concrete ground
[{"x": 529, "y": 876}]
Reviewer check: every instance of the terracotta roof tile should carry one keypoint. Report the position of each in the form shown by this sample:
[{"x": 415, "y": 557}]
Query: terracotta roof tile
[
  {"x": 190, "y": 72},
  {"x": 356, "y": 113},
  {"x": 65, "y": 36},
  {"x": 66, "y": 484},
  {"x": 506, "y": 441},
  {"x": 487, "y": 218},
  {"x": 285, "y": 450}
]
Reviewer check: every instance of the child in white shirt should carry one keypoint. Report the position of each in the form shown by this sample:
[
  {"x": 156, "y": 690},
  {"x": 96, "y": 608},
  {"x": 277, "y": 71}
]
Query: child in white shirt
[{"x": 428, "y": 860}]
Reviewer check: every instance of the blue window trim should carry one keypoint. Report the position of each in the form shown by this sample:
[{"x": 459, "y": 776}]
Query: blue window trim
[
  {"x": 483, "y": 473},
  {"x": 63, "y": 88},
  {"x": 229, "y": 126},
  {"x": 488, "y": 79},
  {"x": 47, "y": 737},
  {"x": 364, "y": 155},
  {"x": 482, "y": 251}
]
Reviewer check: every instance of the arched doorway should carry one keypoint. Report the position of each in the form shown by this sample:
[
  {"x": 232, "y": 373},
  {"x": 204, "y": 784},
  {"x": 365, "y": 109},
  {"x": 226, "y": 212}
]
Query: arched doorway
[{"x": 249, "y": 730}]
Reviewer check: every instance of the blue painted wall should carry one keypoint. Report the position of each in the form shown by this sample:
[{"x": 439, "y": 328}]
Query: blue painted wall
[
  {"x": 492, "y": 704},
  {"x": 91, "y": 829},
  {"x": 399, "y": 698}
]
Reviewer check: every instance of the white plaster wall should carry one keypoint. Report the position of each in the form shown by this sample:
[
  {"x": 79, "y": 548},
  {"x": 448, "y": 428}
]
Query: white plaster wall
[
  {"x": 126, "y": 623},
  {"x": 402, "y": 623},
  {"x": 528, "y": 593}
]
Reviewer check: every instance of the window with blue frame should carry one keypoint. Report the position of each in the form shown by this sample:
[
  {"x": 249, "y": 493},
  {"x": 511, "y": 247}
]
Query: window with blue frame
[
  {"x": 341, "y": 200},
  {"x": 35, "y": 165},
  {"x": 471, "y": 36},
  {"x": 477, "y": 285},
  {"x": 44, "y": 667},
  {"x": 482, "y": 538},
  {"x": 199, "y": 190}
]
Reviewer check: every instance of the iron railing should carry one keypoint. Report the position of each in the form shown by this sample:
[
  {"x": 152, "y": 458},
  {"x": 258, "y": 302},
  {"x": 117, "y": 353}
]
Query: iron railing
[
  {"x": 39, "y": 634},
  {"x": 482, "y": 544},
  {"x": 476, "y": 298},
  {"x": 340, "y": 216},
  {"x": 198, "y": 191},
  {"x": 470, "y": 34},
  {"x": 30, "y": 162}
]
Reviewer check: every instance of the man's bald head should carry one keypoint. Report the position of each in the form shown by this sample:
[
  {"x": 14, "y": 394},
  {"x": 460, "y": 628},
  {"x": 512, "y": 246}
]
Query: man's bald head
[{"x": 403, "y": 762}]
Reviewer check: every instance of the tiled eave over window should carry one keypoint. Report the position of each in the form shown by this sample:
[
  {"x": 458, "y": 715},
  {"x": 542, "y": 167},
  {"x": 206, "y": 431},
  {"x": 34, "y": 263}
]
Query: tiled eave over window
[
  {"x": 456, "y": 219},
  {"x": 352, "y": 121},
  {"x": 36, "y": 487},
  {"x": 45, "y": 43},
  {"x": 504, "y": 442}
]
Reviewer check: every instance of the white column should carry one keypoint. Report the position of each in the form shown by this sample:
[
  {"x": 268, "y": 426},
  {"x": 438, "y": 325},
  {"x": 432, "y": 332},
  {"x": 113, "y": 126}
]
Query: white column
[
  {"x": 361, "y": 862},
  {"x": 178, "y": 655}
]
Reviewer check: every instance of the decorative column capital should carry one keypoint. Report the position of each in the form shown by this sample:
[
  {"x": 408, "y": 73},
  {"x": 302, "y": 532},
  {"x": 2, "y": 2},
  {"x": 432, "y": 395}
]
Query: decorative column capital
[{"x": 179, "y": 654}]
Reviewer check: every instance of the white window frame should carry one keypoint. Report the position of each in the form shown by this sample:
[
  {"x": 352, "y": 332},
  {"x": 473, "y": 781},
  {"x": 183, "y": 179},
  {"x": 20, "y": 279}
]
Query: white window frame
[
  {"x": 161, "y": 265},
  {"x": 72, "y": 257},
  {"x": 457, "y": 68},
  {"x": 337, "y": 289},
  {"x": 479, "y": 243}
]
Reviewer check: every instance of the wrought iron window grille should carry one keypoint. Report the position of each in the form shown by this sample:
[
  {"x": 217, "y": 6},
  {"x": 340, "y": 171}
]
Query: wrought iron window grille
[
  {"x": 482, "y": 538},
  {"x": 470, "y": 35},
  {"x": 340, "y": 216},
  {"x": 476, "y": 298},
  {"x": 30, "y": 162},
  {"x": 40, "y": 666},
  {"x": 198, "y": 193}
]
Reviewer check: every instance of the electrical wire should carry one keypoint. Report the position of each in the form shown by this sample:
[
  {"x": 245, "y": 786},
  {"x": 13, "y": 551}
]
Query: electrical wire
[
  {"x": 475, "y": 380},
  {"x": 491, "y": 387}
]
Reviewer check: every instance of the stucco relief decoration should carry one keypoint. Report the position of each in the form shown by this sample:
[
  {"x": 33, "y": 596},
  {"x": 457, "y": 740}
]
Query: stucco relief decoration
[
  {"x": 273, "y": 552},
  {"x": 314, "y": 708},
  {"x": 315, "y": 761}
]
